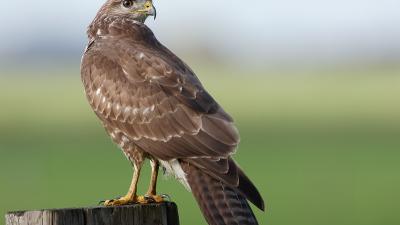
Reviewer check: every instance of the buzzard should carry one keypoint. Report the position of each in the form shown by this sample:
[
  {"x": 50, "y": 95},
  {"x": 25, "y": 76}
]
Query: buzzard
[{"x": 154, "y": 107}]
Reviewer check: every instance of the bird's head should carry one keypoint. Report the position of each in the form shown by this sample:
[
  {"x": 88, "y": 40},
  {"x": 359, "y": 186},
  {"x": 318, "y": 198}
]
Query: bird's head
[{"x": 138, "y": 10}]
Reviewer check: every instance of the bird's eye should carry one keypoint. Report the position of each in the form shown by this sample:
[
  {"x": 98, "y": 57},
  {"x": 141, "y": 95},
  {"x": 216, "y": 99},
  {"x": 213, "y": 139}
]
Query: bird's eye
[{"x": 127, "y": 3}]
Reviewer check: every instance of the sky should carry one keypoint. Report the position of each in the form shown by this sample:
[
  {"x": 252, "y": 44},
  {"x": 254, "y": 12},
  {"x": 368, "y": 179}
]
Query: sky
[{"x": 257, "y": 31}]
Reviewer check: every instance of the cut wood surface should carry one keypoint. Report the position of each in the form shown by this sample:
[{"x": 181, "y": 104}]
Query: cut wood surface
[{"x": 142, "y": 214}]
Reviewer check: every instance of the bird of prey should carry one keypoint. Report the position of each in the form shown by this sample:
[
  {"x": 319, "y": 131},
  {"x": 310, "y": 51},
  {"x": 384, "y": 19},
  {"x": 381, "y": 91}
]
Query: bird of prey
[{"x": 154, "y": 107}]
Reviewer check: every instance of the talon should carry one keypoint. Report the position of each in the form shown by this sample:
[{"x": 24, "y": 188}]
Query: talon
[
  {"x": 142, "y": 200},
  {"x": 165, "y": 196},
  {"x": 126, "y": 200},
  {"x": 149, "y": 199},
  {"x": 101, "y": 202},
  {"x": 154, "y": 198}
]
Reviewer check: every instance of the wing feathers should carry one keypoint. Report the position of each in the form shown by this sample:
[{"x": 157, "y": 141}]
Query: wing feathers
[
  {"x": 137, "y": 86},
  {"x": 220, "y": 130}
]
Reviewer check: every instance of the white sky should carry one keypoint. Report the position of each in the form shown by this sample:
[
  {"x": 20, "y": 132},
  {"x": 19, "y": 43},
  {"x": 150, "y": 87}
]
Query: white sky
[{"x": 265, "y": 29}]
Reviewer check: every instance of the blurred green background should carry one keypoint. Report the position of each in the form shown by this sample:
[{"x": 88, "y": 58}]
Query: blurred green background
[
  {"x": 314, "y": 87},
  {"x": 321, "y": 149}
]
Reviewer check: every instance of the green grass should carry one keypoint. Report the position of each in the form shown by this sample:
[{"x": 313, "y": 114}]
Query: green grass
[{"x": 321, "y": 149}]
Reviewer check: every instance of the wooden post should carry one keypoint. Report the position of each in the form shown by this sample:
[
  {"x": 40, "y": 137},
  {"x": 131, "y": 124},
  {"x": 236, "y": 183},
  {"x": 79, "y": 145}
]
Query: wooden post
[{"x": 146, "y": 214}]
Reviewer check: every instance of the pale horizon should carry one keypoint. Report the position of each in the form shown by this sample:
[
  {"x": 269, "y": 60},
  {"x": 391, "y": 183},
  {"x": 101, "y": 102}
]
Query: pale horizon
[{"x": 264, "y": 32}]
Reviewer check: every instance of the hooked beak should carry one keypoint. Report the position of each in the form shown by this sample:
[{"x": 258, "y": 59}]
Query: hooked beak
[{"x": 149, "y": 9}]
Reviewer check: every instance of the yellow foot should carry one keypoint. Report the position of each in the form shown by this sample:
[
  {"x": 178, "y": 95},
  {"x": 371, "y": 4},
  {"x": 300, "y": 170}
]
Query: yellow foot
[
  {"x": 126, "y": 200},
  {"x": 154, "y": 198}
]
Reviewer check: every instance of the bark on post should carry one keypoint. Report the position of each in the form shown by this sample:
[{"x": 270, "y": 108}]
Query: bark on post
[{"x": 147, "y": 214}]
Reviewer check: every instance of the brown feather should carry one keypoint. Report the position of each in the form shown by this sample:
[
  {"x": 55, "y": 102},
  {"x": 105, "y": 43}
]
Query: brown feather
[
  {"x": 221, "y": 204},
  {"x": 147, "y": 97}
]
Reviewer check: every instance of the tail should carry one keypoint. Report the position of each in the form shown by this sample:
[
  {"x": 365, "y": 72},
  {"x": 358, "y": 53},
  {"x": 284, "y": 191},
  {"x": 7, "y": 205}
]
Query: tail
[{"x": 220, "y": 203}]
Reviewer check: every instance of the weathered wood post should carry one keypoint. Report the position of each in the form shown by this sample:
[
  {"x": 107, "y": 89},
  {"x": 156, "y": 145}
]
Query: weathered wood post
[{"x": 146, "y": 214}]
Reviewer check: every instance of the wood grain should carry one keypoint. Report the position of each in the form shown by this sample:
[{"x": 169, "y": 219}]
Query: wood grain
[{"x": 147, "y": 214}]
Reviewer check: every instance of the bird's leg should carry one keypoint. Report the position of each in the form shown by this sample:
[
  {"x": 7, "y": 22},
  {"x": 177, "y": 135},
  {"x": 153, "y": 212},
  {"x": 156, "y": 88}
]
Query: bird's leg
[
  {"x": 154, "y": 173},
  {"x": 152, "y": 191},
  {"x": 131, "y": 196}
]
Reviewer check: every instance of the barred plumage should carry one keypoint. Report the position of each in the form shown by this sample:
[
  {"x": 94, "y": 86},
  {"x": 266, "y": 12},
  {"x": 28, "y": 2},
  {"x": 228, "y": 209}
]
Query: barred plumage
[{"x": 153, "y": 106}]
